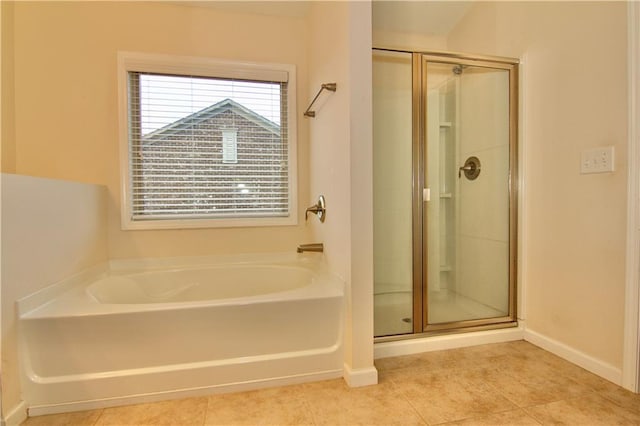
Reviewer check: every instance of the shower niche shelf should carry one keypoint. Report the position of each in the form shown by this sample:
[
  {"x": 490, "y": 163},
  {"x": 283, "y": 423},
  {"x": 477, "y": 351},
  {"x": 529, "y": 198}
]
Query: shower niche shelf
[{"x": 441, "y": 130}]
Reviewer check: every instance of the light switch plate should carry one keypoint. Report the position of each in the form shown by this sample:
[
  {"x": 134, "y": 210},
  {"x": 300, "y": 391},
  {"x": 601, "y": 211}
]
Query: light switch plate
[{"x": 597, "y": 160}]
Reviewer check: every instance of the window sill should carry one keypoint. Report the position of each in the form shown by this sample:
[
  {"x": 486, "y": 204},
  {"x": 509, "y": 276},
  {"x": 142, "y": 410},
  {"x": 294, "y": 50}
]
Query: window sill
[{"x": 159, "y": 224}]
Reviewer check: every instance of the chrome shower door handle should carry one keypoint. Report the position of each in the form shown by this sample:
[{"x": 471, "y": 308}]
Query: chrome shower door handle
[{"x": 471, "y": 168}]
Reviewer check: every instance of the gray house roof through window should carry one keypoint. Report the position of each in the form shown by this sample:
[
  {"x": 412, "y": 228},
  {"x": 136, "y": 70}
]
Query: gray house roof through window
[{"x": 208, "y": 113}]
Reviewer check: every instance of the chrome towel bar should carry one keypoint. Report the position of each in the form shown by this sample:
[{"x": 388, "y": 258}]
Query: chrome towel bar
[{"x": 328, "y": 86}]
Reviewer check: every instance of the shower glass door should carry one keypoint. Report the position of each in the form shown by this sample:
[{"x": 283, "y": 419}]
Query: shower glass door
[
  {"x": 444, "y": 206},
  {"x": 467, "y": 219}
]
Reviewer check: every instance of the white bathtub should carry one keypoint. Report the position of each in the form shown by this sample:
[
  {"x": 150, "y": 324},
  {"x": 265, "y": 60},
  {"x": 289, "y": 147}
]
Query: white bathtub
[{"x": 161, "y": 329}]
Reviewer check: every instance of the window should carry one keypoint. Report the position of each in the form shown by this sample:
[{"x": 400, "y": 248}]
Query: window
[{"x": 206, "y": 143}]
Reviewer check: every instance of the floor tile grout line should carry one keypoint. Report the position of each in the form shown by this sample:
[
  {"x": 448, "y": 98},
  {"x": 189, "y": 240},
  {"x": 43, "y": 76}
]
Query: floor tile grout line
[
  {"x": 98, "y": 418},
  {"x": 616, "y": 403},
  {"x": 480, "y": 416},
  {"x": 528, "y": 414},
  {"x": 504, "y": 373},
  {"x": 532, "y": 415},
  {"x": 206, "y": 410},
  {"x": 415, "y": 410},
  {"x": 495, "y": 390},
  {"x": 307, "y": 404}
]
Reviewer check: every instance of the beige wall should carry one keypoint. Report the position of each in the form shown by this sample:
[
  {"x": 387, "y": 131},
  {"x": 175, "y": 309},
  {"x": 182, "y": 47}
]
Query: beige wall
[
  {"x": 408, "y": 41},
  {"x": 66, "y": 100},
  {"x": 7, "y": 136},
  {"x": 574, "y": 99},
  {"x": 51, "y": 230},
  {"x": 329, "y": 130}
]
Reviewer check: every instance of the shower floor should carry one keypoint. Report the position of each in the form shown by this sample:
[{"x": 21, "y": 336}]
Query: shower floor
[
  {"x": 449, "y": 306},
  {"x": 393, "y": 311},
  {"x": 389, "y": 310}
]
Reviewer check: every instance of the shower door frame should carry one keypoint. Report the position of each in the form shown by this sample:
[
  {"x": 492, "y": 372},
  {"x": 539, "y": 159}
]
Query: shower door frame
[
  {"x": 421, "y": 326},
  {"x": 511, "y": 68}
]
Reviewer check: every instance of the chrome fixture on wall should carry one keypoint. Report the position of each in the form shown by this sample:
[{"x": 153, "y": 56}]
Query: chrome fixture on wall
[
  {"x": 332, "y": 87},
  {"x": 319, "y": 209},
  {"x": 471, "y": 168},
  {"x": 314, "y": 247},
  {"x": 457, "y": 69}
]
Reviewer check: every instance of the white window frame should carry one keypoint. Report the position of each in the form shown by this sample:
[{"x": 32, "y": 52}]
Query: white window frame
[{"x": 204, "y": 67}]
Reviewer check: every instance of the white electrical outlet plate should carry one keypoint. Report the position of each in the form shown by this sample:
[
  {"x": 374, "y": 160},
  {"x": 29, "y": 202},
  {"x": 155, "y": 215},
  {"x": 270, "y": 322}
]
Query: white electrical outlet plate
[{"x": 597, "y": 160}]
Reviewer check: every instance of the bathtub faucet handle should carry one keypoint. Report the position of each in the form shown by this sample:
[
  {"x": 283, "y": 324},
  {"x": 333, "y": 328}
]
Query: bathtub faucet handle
[
  {"x": 318, "y": 209},
  {"x": 316, "y": 247}
]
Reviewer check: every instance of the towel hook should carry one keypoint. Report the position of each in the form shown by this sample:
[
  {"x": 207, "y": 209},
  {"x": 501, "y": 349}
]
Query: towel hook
[{"x": 325, "y": 86}]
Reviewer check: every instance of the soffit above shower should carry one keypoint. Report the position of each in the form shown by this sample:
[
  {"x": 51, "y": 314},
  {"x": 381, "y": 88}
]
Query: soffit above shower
[{"x": 422, "y": 17}]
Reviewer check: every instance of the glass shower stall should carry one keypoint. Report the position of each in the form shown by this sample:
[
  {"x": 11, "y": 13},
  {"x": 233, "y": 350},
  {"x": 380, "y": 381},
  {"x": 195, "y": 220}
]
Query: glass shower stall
[{"x": 445, "y": 192}]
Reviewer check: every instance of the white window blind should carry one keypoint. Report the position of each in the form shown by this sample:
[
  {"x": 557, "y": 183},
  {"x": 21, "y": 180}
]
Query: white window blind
[{"x": 203, "y": 147}]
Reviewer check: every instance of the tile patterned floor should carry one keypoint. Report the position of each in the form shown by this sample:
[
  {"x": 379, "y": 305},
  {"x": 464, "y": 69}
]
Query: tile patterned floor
[{"x": 501, "y": 384}]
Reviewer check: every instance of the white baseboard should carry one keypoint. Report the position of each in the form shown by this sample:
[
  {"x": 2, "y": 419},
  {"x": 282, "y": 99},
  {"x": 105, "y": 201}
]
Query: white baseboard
[
  {"x": 360, "y": 377},
  {"x": 448, "y": 341},
  {"x": 16, "y": 415},
  {"x": 573, "y": 355}
]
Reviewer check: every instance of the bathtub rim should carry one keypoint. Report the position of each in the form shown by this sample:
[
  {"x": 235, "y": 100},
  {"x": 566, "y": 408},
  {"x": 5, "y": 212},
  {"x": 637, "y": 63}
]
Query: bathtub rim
[{"x": 68, "y": 298}]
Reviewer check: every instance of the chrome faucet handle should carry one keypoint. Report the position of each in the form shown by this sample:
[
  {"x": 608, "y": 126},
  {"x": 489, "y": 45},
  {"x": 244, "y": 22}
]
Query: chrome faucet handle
[
  {"x": 318, "y": 209},
  {"x": 471, "y": 168}
]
